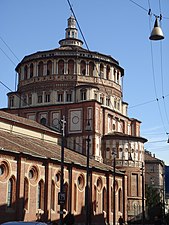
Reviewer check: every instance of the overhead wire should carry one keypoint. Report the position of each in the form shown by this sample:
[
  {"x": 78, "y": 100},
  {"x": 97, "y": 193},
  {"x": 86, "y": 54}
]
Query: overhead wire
[
  {"x": 71, "y": 8},
  {"x": 8, "y": 57},
  {"x": 150, "y": 13},
  {"x": 147, "y": 10},
  {"x": 153, "y": 71},
  {"x": 162, "y": 75},
  {"x": 147, "y": 102},
  {"x": 9, "y": 48},
  {"x": 89, "y": 50},
  {"x": 17, "y": 95},
  {"x": 138, "y": 5}
]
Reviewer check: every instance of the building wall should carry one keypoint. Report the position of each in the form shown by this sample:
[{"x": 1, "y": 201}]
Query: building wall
[{"x": 28, "y": 172}]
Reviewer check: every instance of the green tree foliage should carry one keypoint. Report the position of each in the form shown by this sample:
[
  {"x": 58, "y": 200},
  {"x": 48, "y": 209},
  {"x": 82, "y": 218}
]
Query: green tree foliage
[{"x": 153, "y": 201}]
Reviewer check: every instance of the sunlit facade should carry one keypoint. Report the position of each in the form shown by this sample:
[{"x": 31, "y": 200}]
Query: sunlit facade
[{"x": 84, "y": 86}]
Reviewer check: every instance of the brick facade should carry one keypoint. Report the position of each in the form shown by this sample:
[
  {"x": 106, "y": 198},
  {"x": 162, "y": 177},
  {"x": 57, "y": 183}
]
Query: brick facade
[{"x": 84, "y": 86}]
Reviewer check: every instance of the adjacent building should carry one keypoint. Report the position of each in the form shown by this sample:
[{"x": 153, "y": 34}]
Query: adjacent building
[
  {"x": 155, "y": 185},
  {"x": 85, "y": 88}
]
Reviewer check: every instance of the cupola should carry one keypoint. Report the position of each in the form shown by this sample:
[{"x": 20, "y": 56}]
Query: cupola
[{"x": 71, "y": 35}]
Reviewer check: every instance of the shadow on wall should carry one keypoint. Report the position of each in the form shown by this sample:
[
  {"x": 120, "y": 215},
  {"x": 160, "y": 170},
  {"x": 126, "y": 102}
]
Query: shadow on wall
[{"x": 14, "y": 213}]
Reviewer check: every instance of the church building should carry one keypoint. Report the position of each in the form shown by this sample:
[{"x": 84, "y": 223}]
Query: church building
[{"x": 84, "y": 89}]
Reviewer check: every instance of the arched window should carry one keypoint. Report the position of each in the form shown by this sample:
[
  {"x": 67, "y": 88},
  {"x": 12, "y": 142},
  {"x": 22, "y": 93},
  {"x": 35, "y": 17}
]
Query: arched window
[
  {"x": 107, "y": 72},
  {"x": 115, "y": 103},
  {"x": 101, "y": 70},
  {"x": 25, "y": 72},
  {"x": 40, "y": 195},
  {"x": 30, "y": 99},
  {"x": 75, "y": 197},
  {"x": 26, "y": 191},
  {"x": 83, "y": 68},
  {"x": 53, "y": 196},
  {"x": 71, "y": 67},
  {"x": 11, "y": 192},
  {"x": 67, "y": 198},
  {"x": 120, "y": 200},
  {"x": 40, "y": 69},
  {"x": 112, "y": 199},
  {"x": 95, "y": 199},
  {"x": 118, "y": 77},
  {"x": 61, "y": 67},
  {"x": 114, "y": 75},
  {"x": 31, "y": 70},
  {"x": 91, "y": 68},
  {"x": 49, "y": 67},
  {"x": 104, "y": 199}
]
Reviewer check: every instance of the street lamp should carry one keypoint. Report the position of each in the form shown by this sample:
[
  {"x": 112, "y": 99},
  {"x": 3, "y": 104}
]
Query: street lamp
[
  {"x": 114, "y": 187},
  {"x": 88, "y": 128},
  {"x": 143, "y": 212},
  {"x": 61, "y": 194},
  {"x": 168, "y": 138},
  {"x": 156, "y": 33},
  {"x": 59, "y": 125}
]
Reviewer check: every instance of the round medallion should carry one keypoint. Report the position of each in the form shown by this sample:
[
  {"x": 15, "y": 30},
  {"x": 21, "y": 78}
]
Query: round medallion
[{"x": 75, "y": 119}]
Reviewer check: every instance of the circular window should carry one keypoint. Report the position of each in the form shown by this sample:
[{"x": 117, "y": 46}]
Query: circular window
[
  {"x": 80, "y": 181},
  {"x": 43, "y": 121},
  {"x": 33, "y": 174},
  {"x": 57, "y": 178},
  {"x": 1, "y": 170},
  {"x": 4, "y": 170},
  {"x": 99, "y": 184}
]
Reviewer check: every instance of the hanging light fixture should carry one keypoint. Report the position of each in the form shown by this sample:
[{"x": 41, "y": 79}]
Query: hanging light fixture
[
  {"x": 168, "y": 138},
  {"x": 156, "y": 33}
]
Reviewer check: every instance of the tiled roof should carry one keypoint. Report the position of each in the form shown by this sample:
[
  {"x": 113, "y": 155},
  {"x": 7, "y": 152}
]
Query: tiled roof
[
  {"x": 23, "y": 121},
  {"x": 39, "y": 148},
  {"x": 119, "y": 135},
  {"x": 151, "y": 158}
]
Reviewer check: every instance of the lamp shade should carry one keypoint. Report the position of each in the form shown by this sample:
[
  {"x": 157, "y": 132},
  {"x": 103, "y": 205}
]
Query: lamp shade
[{"x": 156, "y": 33}]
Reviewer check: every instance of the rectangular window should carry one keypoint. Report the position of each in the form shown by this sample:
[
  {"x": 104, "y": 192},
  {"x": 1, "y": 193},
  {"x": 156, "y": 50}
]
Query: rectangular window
[
  {"x": 39, "y": 98},
  {"x": 108, "y": 101},
  {"x": 152, "y": 169},
  {"x": 68, "y": 97},
  {"x": 11, "y": 101},
  {"x": 47, "y": 97},
  {"x": 24, "y": 101},
  {"x": 134, "y": 184},
  {"x": 101, "y": 100},
  {"x": 29, "y": 99},
  {"x": 83, "y": 95},
  {"x": 60, "y": 97}
]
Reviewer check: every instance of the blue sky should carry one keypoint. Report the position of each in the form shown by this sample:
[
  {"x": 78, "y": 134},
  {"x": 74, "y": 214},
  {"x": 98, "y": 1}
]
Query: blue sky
[{"x": 120, "y": 28}]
